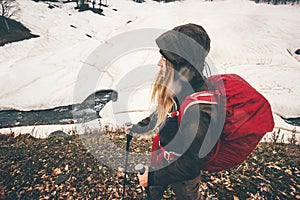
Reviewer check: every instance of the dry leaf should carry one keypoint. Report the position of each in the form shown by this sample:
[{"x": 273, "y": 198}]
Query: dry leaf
[
  {"x": 289, "y": 172},
  {"x": 235, "y": 197},
  {"x": 56, "y": 172},
  {"x": 89, "y": 179}
]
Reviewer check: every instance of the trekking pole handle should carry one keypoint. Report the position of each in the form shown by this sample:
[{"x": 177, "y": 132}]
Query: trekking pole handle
[
  {"x": 128, "y": 125},
  {"x": 140, "y": 168}
]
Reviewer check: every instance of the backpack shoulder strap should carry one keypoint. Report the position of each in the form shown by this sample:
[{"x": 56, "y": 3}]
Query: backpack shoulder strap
[{"x": 203, "y": 97}]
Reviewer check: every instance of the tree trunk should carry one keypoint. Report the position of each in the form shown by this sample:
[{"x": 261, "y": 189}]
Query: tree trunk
[
  {"x": 81, "y": 3},
  {"x": 2, "y": 9}
]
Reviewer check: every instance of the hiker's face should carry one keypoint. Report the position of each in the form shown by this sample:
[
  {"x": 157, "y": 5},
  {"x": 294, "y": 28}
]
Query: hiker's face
[{"x": 162, "y": 64}]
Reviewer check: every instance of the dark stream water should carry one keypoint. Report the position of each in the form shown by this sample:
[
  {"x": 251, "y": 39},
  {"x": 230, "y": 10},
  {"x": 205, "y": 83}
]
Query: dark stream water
[{"x": 88, "y": 110}]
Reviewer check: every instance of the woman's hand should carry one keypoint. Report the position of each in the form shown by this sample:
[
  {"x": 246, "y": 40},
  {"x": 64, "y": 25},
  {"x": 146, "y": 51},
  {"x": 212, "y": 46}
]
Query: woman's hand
[
  {"x": 128, "y": 127},
  {"x": 128, "y": 130},
  {"x": 143, "y": 178}
]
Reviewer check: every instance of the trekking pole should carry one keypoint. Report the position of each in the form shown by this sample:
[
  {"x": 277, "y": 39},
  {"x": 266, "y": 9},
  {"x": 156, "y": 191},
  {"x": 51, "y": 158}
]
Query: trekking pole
[{"x": 128, "y": 139}]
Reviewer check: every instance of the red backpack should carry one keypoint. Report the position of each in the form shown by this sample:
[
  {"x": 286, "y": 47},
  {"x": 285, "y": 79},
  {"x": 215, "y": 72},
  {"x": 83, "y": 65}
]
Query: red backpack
[{"x": 248, "y": 118}]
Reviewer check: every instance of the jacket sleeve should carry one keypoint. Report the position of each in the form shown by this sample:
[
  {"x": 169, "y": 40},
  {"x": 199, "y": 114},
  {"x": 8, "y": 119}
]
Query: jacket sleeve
[
  {"x": 194, "y": 127},
  {"x": 145, "y": 125}
]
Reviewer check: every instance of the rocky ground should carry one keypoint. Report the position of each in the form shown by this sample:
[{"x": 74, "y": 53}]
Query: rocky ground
[{"x": 71, "y": 167}]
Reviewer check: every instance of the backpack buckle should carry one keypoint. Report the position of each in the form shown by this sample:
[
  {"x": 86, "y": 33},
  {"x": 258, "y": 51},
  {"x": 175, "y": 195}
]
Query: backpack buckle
[
  {"x": 169, "y": 155},
  {"x": 173, "y": 114}
]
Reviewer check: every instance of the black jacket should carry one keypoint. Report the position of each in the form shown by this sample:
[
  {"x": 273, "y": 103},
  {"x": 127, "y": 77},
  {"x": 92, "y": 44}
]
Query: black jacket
[{"x": 186, "y": 140}]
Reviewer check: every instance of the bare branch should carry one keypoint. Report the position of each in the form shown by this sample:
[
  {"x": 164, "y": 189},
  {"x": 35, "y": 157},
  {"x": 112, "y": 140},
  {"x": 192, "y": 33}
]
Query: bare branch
[{"x": 8, "y": 8}]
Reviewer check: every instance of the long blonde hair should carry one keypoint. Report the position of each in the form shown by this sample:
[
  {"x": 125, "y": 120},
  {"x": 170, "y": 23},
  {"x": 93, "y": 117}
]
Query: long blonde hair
[
  {"x": 185, "y": 45},
  {"x": 162, "y": 94}
]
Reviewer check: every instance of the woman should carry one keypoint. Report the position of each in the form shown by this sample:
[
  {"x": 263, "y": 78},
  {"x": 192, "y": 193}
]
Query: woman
[{"x": 183, "y": 51}]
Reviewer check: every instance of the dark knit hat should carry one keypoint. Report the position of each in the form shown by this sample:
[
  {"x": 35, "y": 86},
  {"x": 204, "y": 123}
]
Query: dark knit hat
[{"x": 185, "y": 44}]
